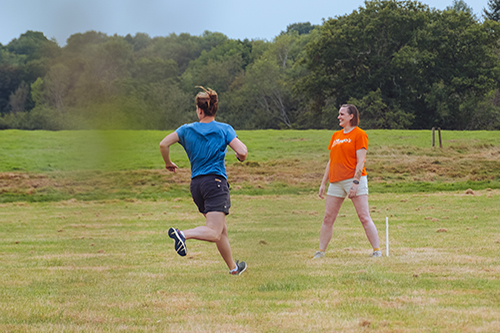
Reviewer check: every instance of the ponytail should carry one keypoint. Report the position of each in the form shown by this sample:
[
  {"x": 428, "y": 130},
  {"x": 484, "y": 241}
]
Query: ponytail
[{"x": 207, "y": 101}]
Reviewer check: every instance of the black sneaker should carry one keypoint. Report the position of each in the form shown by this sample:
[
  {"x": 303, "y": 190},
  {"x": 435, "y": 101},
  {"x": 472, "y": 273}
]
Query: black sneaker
[
  {"x": 180, "y": 241},
  {"x": 242, "y": 266}
]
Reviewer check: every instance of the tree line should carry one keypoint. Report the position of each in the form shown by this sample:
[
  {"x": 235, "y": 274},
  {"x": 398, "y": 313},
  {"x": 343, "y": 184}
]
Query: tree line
[{"x": 405, "y": 65}]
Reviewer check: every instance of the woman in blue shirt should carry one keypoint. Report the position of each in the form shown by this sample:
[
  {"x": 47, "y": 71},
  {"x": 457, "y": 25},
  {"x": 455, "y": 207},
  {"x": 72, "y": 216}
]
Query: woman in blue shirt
[{"x": 205, "y": 143}]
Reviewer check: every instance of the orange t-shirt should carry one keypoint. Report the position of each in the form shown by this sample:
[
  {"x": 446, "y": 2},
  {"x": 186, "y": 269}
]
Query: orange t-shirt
[{"x": 343, "y": 149}]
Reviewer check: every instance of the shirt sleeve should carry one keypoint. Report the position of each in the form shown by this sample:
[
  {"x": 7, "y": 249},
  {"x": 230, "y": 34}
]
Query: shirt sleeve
[
  {"x": 230, "y": 134},
  {"x": 181, "y": 131},
  {"x": 362, "y": 141},
  {"x": 331, "y": 141}
]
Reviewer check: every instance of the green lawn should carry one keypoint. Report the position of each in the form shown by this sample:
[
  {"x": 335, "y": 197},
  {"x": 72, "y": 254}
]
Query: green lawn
[
  {"x": 96, "y": 165},
  {"x": 40, "y": 151},
  {"x": 108, "y": 266},
  {"x": 84, "y": 247}
]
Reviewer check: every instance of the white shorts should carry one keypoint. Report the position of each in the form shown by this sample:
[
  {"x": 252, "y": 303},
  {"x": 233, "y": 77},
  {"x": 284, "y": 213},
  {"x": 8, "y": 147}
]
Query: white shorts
[{"x": 341, "y": 189}]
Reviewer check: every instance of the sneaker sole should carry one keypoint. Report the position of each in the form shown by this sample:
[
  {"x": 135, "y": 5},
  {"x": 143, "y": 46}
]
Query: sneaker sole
[{"x": 181, "y": 250}]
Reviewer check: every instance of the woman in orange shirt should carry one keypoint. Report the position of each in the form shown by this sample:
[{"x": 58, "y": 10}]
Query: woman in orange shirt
[{"x": 346, "y": 174}]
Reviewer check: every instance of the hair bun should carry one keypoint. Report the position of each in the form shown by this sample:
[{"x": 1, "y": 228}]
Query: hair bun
[{"x": 207, "y": 101}]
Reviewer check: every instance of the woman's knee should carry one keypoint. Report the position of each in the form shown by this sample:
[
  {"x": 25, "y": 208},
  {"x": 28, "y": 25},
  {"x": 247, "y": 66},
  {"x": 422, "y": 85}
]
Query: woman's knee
[
  {"x": 365, "y": 219},
  {"x": 329, "y": 219},
  {"x": 216, "y": 234}
]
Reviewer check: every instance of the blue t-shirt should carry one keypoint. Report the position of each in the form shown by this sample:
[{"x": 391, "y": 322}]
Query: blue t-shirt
[{"x": 206, "y": 146}]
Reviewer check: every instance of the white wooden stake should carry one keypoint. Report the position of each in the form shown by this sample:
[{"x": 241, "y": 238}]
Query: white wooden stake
[{"x": 387, "y": 236}]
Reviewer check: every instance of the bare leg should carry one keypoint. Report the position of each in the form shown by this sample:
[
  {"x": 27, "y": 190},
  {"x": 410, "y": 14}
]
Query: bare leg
[
  {"x": 225, "y": 249},
  {"x": 332, "y": 207},
  {"x": 214, "y": 231},
  {"x": 363, "y": 211}
]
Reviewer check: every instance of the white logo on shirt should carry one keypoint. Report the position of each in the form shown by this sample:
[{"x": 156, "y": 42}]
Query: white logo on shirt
[{"x": 338, "y": 142}]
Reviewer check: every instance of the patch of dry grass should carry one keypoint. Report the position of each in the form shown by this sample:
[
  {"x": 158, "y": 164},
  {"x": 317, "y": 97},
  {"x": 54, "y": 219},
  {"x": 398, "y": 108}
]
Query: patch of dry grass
[{"x": 280, "y": 162}]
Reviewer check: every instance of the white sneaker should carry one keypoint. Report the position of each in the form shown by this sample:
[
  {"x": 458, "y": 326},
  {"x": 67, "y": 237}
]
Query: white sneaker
[
  {"x": 319, "y": 255},
  {"x": 376, "y": 254}
]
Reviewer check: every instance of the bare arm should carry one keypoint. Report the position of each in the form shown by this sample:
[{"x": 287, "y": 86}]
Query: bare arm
[
  {"x": 322, "y": 187},
  {"x": 239, "y": 149},
  {"x": 165, "y": 150},
  {"x": 361, "y": 158}
]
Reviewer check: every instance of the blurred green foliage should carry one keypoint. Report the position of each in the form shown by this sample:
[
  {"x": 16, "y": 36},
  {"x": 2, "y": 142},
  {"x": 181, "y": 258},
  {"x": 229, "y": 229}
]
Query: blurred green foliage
[{"x": 405, "y": 65}]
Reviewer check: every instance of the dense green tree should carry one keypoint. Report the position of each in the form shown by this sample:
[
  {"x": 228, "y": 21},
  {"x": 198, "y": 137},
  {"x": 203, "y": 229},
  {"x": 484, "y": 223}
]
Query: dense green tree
[
  {"x": 263, "y": 97},
  {"x": 461, "y": 67},
  {"x": 376, "y": 114},
  {"x": 19, "y": 98},
  {"x": 300, "y": 28},
  {"x": 218, "y": 67},
  {"x": 154, "y": 69},
  {"x": 8, "y": 58},
  {"x": 262, "y": 101},
  {"x": 10, "y": 79},
  {"x": 140, "y": 41},
  {"x": 461, "y": 6},
  {"x": 23, "y": 60},
  {"x": 493, "y": 10},
  {"x": 57, "y": 85},
  {"x": 37, "y": 93},
  {"x": 184, "y": 48},
  {"x": 33, "y": 45},
  {"x": 404, "y": 65},
  {"x": 159, "y": 105},
  {"x": 80, "y": 41},
  {"x": 425, "y": 63},
  {"x": 105, "y": 63},
  {"x": 354, "y": 53}
]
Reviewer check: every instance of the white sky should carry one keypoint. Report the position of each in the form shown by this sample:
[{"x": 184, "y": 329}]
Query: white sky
[{"x": 257, "y": 19}]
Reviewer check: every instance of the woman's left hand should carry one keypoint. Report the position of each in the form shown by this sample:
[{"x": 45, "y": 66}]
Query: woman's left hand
[{"x": 353, "y": 191}]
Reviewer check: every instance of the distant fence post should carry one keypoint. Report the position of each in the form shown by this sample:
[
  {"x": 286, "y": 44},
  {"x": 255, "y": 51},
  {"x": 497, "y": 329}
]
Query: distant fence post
[
  {"x": 439, "y": 134},
  {"x": 433, "y": 136}
]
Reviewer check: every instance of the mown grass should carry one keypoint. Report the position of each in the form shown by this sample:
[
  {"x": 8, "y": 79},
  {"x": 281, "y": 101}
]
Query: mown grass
[
  {"x": 95, "y": 165},
  {"x": 37, "y": 151},
  {"x": 107, "y": 266},
  {"x": 84, "y": 248}
]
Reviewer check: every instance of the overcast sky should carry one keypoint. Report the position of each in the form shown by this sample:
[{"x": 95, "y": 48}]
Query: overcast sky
[{"x": 257, "y": 19}]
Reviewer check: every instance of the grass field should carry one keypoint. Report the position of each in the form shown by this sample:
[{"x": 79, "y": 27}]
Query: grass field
[
  {"x": 97, "y": 165},
  {"x": 108, "y": 266},
  {"x": 84, "y": 246}
]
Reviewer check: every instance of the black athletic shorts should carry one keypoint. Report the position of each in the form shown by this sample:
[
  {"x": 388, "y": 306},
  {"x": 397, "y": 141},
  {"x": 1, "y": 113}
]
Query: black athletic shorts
[{"x": 211, "y": 193}]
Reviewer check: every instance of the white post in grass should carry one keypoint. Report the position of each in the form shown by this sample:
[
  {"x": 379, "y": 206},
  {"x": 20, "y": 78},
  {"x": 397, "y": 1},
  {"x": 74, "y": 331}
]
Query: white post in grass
[{"x": 387, "y": 236}]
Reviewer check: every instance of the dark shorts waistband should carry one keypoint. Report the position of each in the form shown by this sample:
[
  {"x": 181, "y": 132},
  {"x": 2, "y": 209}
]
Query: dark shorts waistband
[{"x": 209, "y": 175}]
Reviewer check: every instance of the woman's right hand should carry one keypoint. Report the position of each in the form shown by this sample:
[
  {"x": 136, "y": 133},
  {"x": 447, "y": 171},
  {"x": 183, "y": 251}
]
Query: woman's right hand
[
  {"x": 170, "y": 166},
  {"x": 321, "y": 192}
]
